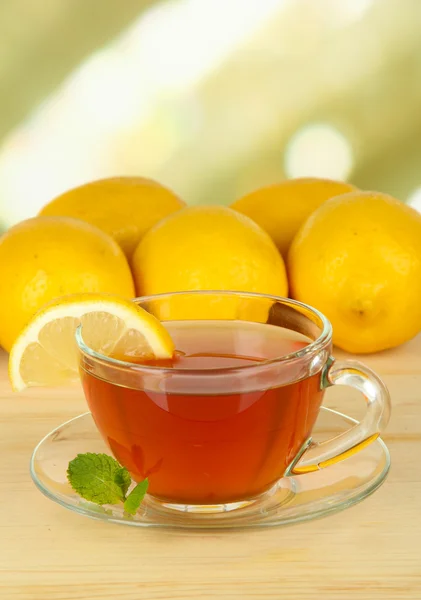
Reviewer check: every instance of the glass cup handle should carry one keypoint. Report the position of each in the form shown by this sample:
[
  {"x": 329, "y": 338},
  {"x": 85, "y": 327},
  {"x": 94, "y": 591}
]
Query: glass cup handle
[{"x": 314, "y": 456}]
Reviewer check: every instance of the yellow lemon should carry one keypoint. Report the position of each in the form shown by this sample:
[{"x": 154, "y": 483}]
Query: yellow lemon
[
  {"x": 45, "y": 353},
  {"x": 48, "y": 257},
  {"x": 207, "y": 248},
  {"x": 124, "y": 207},
  {"x": 282, "y": 208},
  {"x": 357, "y": 258}
]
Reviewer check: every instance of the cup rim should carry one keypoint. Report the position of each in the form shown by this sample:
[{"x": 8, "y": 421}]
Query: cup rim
[{"x": 312, "y": 348}]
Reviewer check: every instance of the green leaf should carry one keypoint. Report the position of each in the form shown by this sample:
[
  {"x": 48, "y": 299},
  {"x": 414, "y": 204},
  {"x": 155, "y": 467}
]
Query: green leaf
[
  {"x": 134, "y": 499},
  {"x": 123, "y": 479},
  {"x": 98, "y": 478}
]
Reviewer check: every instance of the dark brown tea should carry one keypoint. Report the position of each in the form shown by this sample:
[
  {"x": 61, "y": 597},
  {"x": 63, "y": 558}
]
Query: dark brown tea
[{"x": 210, "y": 445}]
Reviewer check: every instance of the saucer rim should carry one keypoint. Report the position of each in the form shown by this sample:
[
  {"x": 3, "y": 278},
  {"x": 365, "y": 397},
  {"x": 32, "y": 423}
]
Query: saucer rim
[{"x": 226, "y": 526}]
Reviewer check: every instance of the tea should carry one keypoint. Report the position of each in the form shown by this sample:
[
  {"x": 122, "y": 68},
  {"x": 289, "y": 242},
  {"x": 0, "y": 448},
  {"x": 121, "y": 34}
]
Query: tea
[{"x": 200, "y": 443}]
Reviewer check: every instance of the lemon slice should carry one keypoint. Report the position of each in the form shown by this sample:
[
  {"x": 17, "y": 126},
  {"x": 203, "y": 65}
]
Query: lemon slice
[{"x": 46, "y": 352}]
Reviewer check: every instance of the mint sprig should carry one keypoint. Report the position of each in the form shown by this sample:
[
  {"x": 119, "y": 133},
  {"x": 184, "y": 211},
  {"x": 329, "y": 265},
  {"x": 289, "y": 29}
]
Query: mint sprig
[{"x": 99, "y": 478}]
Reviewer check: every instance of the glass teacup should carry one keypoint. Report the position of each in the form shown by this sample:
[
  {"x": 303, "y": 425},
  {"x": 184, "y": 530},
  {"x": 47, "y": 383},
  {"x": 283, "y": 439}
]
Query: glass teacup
[{"x": 232, "y": 413}]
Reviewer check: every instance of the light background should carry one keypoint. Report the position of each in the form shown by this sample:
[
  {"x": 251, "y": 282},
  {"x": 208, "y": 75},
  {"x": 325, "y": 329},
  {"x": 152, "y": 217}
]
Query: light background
[{"x": 211, "y": 97}]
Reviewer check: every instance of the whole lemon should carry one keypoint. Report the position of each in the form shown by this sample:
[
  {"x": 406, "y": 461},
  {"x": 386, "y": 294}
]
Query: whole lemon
[
  {"x": 124, "y": 207},
  {"x": 47, "y": 257},
  {"x": 357, "y": 259},
  {"x": 281, "y": 209},
  {"x": 208, "y": 248}
]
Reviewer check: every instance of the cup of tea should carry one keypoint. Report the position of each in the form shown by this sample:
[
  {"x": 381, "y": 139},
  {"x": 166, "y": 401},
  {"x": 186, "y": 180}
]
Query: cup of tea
[{"x": 232, "y": 412}]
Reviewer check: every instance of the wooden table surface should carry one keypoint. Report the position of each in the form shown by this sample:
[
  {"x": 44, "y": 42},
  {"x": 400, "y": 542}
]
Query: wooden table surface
[{"x": 371, "y": 551}]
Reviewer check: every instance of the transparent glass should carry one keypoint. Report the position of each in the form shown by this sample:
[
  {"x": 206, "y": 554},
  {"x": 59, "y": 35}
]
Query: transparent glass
[
  {"x": 219, "y": 433},
  {"x": 294, "y": 499}
]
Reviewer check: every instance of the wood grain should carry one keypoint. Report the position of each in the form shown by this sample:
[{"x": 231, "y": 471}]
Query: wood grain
[{"x": 370, "y": 552}]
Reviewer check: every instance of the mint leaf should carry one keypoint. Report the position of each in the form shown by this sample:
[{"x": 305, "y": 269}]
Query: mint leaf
[
  {"x": 101, "y": 479},
  {"x": 98, "y": 478},
  {"x": 134, "y": 499},
  {"x": 123, "y": 479}
]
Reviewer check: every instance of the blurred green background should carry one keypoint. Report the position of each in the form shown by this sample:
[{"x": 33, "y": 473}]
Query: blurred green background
[{"x": 210, "y": 97}]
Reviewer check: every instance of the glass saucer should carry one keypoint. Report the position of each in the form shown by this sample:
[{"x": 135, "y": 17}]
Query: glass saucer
[{"x": 293, "y": 499}]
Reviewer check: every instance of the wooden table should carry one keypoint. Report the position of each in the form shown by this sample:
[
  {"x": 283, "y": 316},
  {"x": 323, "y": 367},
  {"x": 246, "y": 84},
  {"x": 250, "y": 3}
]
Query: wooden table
[{"x": 371, "y": 551}]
